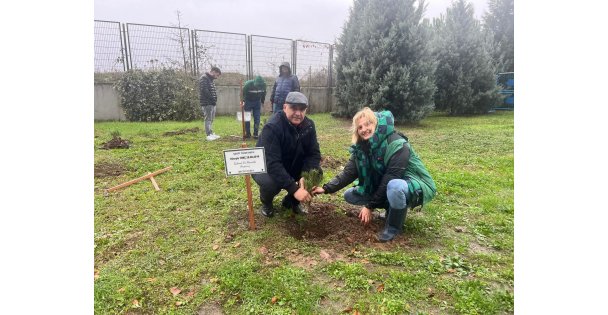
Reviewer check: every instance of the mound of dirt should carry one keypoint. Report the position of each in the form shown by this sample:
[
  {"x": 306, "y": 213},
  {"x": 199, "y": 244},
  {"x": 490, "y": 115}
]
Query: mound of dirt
[
  {"x": 109, "y": 169},
  {"x": 181, "y": 132},
  {"x": 116, "y": 143},
  {"x": 339, "y": 229},
  {"x": 331, "y": 162}
]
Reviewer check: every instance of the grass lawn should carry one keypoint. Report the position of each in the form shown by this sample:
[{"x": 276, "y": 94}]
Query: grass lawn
[{"x": 187, "y": 249}]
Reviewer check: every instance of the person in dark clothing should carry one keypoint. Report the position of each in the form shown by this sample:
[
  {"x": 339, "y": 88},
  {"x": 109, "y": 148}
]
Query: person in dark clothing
[
  {"x": 285, "y": 83},
  {"x": 254, "y": 94},
  {"x": 390, "y": 174},
  {"x": 208, "y": 100},
  {"x": 291, "y": 147}
]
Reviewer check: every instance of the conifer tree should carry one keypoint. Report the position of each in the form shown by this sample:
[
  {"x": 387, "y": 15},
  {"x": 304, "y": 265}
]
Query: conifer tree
[
  {"x": 384, "y": 60},
  {"x": 466, "y": 82},
  {"x": 499, "y": 23}
]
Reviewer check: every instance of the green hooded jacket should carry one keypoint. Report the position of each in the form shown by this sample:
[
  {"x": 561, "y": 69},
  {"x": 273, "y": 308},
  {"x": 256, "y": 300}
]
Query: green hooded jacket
[
  {"x": 371, "y": 167},
  {"x": 254, "y": 90}
]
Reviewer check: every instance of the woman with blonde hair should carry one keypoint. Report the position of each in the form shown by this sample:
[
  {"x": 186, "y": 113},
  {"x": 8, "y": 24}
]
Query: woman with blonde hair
[{"x": 386, "y": 170}]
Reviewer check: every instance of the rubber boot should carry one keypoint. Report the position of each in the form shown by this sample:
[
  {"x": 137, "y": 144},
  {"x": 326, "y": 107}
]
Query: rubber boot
[{"x": 393, "y": 224}]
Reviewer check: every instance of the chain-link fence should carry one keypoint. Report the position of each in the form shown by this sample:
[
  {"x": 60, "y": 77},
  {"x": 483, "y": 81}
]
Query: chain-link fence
[
  {"x": 120, "y": 47},
  {"x": 228, "y": 51},
  {"x": 109, "y": 50}
]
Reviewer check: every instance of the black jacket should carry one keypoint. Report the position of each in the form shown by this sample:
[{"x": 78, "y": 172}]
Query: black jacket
[
  {"x": 207, "y": 93},
  {"x": 289, "y": 150}
]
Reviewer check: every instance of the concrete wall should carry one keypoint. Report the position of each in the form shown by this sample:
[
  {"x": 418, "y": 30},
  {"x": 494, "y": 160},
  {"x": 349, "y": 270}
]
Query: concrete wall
[{"x": 107, "y": 102}]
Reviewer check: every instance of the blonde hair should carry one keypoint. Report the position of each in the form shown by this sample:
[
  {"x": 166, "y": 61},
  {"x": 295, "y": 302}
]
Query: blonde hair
[{"x": 364, "y": 113}]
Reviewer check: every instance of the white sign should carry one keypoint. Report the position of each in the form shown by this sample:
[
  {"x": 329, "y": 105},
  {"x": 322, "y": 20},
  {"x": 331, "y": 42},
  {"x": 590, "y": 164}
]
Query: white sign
[
  {"x": 245, "y": 161},
  {"x": 239, "y": 116}
]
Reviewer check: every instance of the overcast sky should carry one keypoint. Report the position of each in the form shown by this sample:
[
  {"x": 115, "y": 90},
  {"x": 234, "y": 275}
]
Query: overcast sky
[{"x": 313, "y": 20}]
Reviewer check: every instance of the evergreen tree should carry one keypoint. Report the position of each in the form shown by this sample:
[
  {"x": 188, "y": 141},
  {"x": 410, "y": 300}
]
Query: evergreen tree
[
  {"x": 465, "y": 73},
  {"x": 499, "y": 23},
  {"x": 384, "y": 60}
]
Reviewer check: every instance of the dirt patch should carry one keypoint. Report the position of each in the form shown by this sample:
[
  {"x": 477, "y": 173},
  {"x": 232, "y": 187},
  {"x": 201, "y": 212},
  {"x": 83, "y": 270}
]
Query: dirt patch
[
  {"x": 210, "y": 309},
  {"x": 181, "y": 132},
  {"x": 337, "y": 229},
  {"x": 116, "y": 143},
  {"x": 109, "y": 169},
  {"x": 331, "y": 162}
]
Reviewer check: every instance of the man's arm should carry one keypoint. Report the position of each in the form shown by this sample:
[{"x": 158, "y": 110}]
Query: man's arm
[
  {"x": 274, "y": 88},
  {"x": 274, "y": 161},
  {"x": 296, "y": 84}
]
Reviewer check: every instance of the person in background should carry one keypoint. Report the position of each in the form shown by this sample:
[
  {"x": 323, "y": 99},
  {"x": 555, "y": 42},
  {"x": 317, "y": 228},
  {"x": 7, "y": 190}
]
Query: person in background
[
  {"x": 285, "y": 83},
  {"x": 290, "y": 143},
  {"x": 254, "y": 94},
  {"x": 208, "y": 100},
  {"x": 389, "y": 172}
]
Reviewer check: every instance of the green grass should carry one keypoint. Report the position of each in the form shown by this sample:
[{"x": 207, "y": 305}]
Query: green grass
[{"x": 194, "y": 235}]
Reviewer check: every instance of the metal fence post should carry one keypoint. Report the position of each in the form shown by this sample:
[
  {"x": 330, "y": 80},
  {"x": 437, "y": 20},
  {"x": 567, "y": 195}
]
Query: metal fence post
[
  {"x": 330, "y": 69},
  {"x": 294, "y": 54}
]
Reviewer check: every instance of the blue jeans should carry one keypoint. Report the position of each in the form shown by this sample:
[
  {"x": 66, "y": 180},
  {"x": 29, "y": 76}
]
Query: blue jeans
[
  {"x": 396, "y": 193},
  {"x": 276, "y": 108},
  {"x": 254, "y": 107}
]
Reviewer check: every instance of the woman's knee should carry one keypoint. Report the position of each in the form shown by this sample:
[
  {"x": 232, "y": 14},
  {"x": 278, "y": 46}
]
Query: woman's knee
[{"x": 396, "y": 193}]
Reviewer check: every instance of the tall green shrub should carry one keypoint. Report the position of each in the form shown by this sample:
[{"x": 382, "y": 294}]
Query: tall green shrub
[
  {"x": 465, "y": 73},
  {"x": 384, "y": 60},
  {"x": 499, "y": 23},
  {"x": 158, "y": 95}
]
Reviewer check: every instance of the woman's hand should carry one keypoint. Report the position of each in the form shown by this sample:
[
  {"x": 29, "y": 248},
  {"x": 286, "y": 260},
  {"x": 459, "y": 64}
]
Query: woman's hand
[
  {"x": 365, "y": 215},
  {"x": 317, "y": 190}
]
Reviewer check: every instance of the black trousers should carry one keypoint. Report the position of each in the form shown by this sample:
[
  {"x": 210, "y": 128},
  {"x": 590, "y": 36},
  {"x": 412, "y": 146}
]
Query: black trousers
[{"x": 269, "y": 189}]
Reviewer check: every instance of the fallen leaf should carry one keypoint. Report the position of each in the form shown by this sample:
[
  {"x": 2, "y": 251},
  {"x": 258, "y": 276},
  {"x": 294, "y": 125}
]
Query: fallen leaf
[
  {"x": 136, "y": 303},
  {"x": 431, "y": 293},
  {"x": 178, "y": 303},
  {"x": 151, "y": 279},
  {"x": 451, "y": 270},
  {"x": 263, "y": 250},
  {"x": 324, "y": 254},
  {"x": 356, "y": 312},
  {"x": 190, "y": 294},
  {"x": 215, "y": 247},
  {"x": 175, "y": 291},
  {"x": 380, "y": 288},
  {"x": 274, "y": 299},
  {"x": 121, "y": 290},
  {"x": 213, "y": 280},
  {"x": 237, "y": 245},
  {"x": 347, "y": 310},
  {"x": 96, "y": 274},
  {"x": 364, "y": 261}
]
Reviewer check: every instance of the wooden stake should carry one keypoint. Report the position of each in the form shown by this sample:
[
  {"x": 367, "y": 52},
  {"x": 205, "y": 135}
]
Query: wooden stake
[
  {"x": 131, "y": 182},
  {"x": 249, "y": 196},
  {"x": 154, "y": 183}
]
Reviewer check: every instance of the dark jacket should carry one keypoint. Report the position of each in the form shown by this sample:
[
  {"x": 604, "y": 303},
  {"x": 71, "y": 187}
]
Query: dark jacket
[
  {"x": 207, "y": 92},
  {"x": 403, "y": 164},
  {"x": 283, "y": 85},
  {"x": 254, "y": 90},
  {"x": 289, "y": 150}
]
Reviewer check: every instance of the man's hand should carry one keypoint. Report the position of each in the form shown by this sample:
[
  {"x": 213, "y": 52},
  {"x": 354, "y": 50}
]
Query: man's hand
[
  {"x": 365, "y": 215},
  {"x": 302, "y": 195}
]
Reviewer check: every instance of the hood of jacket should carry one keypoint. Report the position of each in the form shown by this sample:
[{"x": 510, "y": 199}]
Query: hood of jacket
[
  {"x": 258, "y": 81},
  {"x": 285, "y": 64}
]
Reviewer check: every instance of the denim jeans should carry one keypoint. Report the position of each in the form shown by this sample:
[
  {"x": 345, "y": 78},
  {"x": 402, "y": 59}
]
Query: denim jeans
[
  {"x": 396, "y": 193},
  {"x": 209, "y": 114},
  {"x": 254, "y": 107}
]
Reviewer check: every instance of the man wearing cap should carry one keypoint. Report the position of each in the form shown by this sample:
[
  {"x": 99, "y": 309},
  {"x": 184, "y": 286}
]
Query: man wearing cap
[{"x": 290, "y": 143}]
